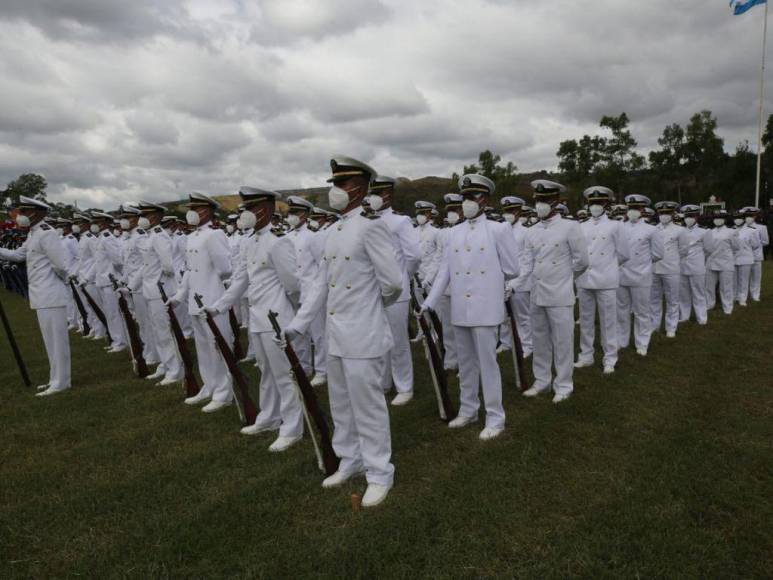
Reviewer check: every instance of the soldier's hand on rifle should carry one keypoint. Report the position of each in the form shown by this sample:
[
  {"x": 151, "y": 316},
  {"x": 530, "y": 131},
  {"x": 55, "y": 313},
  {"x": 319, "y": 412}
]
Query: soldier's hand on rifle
[
  {"x": 421, "y": 311},
  {"x": 173, "y": 301},
  {"x": 215, "y": 309}
]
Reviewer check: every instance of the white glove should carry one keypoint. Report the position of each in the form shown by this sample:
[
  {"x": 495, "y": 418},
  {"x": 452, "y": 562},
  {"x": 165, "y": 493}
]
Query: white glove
[
  {"x": 173, "y": 301},
  {"x": 423, "y": 309},
  {"x": 215, "y": 310},
  {"x": 287, "y": 336},
  {"x": 508, "y": 292},
  {"x": 123, "y": 290}
]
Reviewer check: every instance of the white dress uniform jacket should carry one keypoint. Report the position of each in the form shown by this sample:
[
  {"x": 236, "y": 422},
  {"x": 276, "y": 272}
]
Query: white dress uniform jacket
[
  {"x": 607, "y": 250},
  {"x": 637, "y": 271},
  {"x": 430, "y": 251},
  {"x": 208, "y": 257},
  {"x": 720, "y": 245}
]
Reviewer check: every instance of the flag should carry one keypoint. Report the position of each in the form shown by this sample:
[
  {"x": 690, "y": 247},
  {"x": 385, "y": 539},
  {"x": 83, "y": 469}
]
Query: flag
[{"x": 741, "y": 6}]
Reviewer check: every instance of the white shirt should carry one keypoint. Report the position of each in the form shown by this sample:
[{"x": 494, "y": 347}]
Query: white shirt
[
  {"x": 157, "y": 254},
  {"x": 47, "y": 266},
  {"x": 430, "y": 251},
  {"x": 637, "y": 271},
  {"x": 87, "y": 244},
  {"x": 479, "y": 255},
  {"x": 669, "y": 240},
  {"x": 748, "y": 243},
  {"x": 525, "y": 281},
  {"x": 693, "y": 255},
  {"x": 607, "y": 250},
  {"x": 720, "y": 243},
  {"x": 305, "y": 264},
  {"x": 107, "y": 258},
  {"x": 208, "y": 257},
  {"x": 407, "y": 247},
  {"x": 558, "y": 250},
  {"x": 358, "y": 276}
]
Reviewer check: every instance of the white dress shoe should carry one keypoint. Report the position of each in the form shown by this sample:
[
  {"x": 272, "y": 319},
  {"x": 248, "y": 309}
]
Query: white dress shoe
[
  {"x": 43, "y": 387},
  {"x": 157, "y": 374},
  {"x": 168, "y": 381},
  {"x": 375, "y": 494},
  {"x": 490, "y": 433},
  {"x": 502, "y": 348},
  {"x": 460, "y": 422},
  {"x": 641, "y": 351},
  {"x": 671, "y": 334},
  {"x": 117, "y": 348},
  {"x": 150, "y": 363},
  {"x": 339, "y": 478},
  {"x": 213, "y": 406},
  {"x": 583, "y": 363},
  {"x": 318, "y": 380},
  {"x": 558, "y": 398},
  {"x": 200, "y": 398},
  {"x": 256, "y": 428},
  {"x": 532, "y": 392},
  {"x": 402, "y": 399},
  {"x": 526, "y": 353},
  {"x": 283, "y": 443},
  {"x": 418, "y": 337},
  {"x": 248, "y": 359},
  {"x": 50, "y": 391},
  {"x": 609, "y": 369}
]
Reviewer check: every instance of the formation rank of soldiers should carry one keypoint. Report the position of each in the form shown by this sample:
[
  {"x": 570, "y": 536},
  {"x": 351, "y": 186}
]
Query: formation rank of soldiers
[{"x": 326, "y": 296}]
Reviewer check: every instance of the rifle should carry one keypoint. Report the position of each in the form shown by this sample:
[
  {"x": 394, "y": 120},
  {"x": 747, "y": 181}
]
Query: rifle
[
  {"x": 15, "y": 348},
  {"x": 446, "y": 407},
  {"x": 238, "y": 349},
  {"x": 433, "y": 317},
  {"x": 81, "y": 308},
  {"x": 326, "y": 457},
  {"x": 133, "y": 332},
  {"x": 248, "y": 412},
  {"x": 97, "y": 311},
  {"x": 192, "y": 387},
  {"x": 517, "y": 350}
]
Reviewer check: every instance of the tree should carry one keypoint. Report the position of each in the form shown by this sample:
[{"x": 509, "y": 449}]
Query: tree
[
  {"x": 619, "y": 156},
  {"x": 580, "y": 159},
  {"x": 28, "y": 185},
  {"x": 504, "y": 176},
  {"x": 667, "y": 163}
]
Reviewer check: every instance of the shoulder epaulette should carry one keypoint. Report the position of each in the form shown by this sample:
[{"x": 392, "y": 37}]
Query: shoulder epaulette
[
  {"x": 106, "y": 235},
  {"x": 370, "y": 216},
  {"x": 158, "y": 229},
  {"x": 89, "y": 235},
  {"x": 45, "y": 227}
]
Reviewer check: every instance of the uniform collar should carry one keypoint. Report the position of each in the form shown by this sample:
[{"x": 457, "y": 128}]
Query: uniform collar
[
  {"x": 550, "y": 221},
  {"x": 601, "y": 218},
  {"x": 263, "y": 230}
]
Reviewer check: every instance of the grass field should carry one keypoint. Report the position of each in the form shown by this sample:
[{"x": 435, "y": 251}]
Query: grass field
[{"x": 661, "y": 470}]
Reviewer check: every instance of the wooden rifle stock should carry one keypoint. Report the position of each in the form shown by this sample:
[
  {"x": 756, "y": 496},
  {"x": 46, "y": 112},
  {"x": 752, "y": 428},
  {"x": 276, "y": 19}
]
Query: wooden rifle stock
[
  {"x": 517, "y": 350},
  {"x": 329, "y": 460},
  {"x": 81, "y": 309},
  {"x": 238, "y": 348},
  {"x": 97, "y": 312},
  {"x": 15, "y": 348},
  {"x": 133, "y": 331},
  {"x": 433, "y": 317},
  {"x": 192, "y": 387},
  {"x": 247, "y": 409}
]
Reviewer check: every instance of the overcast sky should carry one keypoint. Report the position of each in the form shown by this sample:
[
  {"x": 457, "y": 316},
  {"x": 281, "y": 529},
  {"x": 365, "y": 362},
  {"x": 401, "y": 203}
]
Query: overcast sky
[{"x": 114, "y": 100}]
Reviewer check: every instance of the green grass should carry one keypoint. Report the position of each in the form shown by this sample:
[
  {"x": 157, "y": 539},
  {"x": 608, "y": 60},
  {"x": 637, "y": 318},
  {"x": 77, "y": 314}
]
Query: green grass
[{"x": 661, "y": 470}]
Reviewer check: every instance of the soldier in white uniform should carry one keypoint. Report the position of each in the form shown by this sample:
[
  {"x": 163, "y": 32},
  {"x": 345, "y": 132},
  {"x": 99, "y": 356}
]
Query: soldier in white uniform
[
  {"x": 597, "y": 286},
  {"x": 558, "y": 254},
  {"x": 107, "y": 260},
  {"x": 85, "y": 271},
  {"x": 720, "y": 244},
  {"x": 318, "y": 222},
  {"x": 634, "y": 293},
  {"x": 749, "y": 242},
  {"x": 176, "y": 229},
  {"x": 755, "y": 282},
  {"x": 671, "y": 241},
  {"x": 428, "y": 241},
  {"x": 266, "y": 272},
  {"x": 479, "y": 257},
  {"x": 693, "y": 283},
  {"x": 359, "y": 276},
  {"x": 70, "y": 243},
  {"x": 155, "y": 248},
  {"x": 209, "y": 265},
  {"x": 47, "y": 271},
  {"x": 520, "y": 287}
]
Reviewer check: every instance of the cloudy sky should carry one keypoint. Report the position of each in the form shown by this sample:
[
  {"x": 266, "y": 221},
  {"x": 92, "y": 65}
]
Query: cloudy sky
[{"x": 115, "y": 100}]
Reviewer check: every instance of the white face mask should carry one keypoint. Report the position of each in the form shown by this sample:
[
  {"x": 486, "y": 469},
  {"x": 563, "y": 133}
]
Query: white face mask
[
  {"x": 596, "y": 210},
  {"x": 719, "y": 222},
  {"x": 421, "y": 219},
  {"x": 125, "y": 224},
  {"x": 22, "y": 221},
  {"x": 749, "y": 221},
  {"x": 634, "y": 215},
  {"x": 665, "y": 218},
  {"x": 376, "y": 202},
  {"x": 192, "y": 218},
  {"x": 229, "y": 228},
  {"x": 143, "y": 223},
  {"x": 248, "y": 220},
  {"x": 470, "y": 208},
  {"x": 738, "y": 221},
  {"x": 509, "y": 218},
  {"x": 94, "y": 228},
  {"x": 76, "y": 229},
  {"x": 542, "y": 209},
  {"x": 452, "y": 218},
  {"x": 522, "y": 220},
  {"x": 60, "y": 231},
  {"x": 337, "y": 198},
  {"x": 689, "y": 222},
  {"x": 293, "y": 220},
  {"x": 313, "y": 224}
]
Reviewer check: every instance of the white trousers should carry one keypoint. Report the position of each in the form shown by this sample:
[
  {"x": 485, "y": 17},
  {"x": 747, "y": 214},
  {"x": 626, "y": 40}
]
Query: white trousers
[
  {"x": 72, "y": 311},
  {"x": 634, "y": 300},
  {"x": 692, "y": 296},
  {"x": 361, "y": 437},
  {"x": 726, "y": 281},
  {"x": 479, "y": 370},
  {"x": 96, "y": 296},
  {"x": 164, "y": 340},
  {"x": 553, "y": 337},
  {"x": 606, "y": 303},
  {"x": 185, "y": 319},
  {"x": 665, "y": 286},
  {"x": 451, "y": 361},
  {"x": 146, "y": 327},
  {"x": 280, "y": 405},
  {"x": 53, "y": 327},
  {"x": 742, "y": 276},
  {"x": 113, "y": 315},
  {"x": 755, "y": 281},
  {"x": 521, "y": 303},
  {"x": 399, "y": 363},
  {"x": 317, "y": 331},
  {"x": 218, "y": 382}
]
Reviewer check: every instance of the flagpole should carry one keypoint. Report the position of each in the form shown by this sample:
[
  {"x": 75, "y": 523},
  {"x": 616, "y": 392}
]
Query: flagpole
[{"x": 762, "y": 100}]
